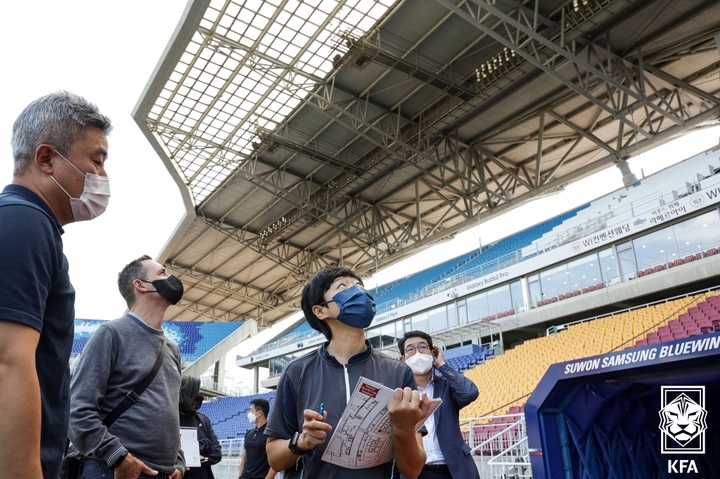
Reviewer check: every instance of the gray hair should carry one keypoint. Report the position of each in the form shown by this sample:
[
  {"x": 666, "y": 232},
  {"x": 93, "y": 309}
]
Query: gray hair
[{"x": 58, "y": 119}]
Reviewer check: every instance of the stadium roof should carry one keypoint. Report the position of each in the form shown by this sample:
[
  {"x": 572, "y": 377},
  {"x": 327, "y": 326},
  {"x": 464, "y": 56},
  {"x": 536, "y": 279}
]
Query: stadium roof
[{"x": 311, "y": 133}]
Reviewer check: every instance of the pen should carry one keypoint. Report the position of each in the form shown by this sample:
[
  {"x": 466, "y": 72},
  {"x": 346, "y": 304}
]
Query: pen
[{"x": 321, "y": 410}]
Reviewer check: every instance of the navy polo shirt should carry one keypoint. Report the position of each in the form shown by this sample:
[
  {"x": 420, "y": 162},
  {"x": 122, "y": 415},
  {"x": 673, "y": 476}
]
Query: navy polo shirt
[{"x": 35, "y": 290}]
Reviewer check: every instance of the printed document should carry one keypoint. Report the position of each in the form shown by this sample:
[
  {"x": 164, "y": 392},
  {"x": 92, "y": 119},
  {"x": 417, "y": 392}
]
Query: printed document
[{"x": 363, "y": 437}]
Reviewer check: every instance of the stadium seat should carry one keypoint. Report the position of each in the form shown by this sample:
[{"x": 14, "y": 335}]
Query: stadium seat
[
  {"x": 228, "y": 416},
  {"x": 193, "y": 338},
  {"x": 516, "y": 372},
  {"x": 488, "y": 260}
]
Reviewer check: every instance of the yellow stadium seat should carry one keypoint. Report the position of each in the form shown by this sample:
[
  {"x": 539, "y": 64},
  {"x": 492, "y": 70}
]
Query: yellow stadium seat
[{"x": 512, "y": 375}]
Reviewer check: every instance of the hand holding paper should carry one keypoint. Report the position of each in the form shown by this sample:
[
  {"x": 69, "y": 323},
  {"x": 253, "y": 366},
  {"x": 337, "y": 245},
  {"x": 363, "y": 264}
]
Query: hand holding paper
[
  {"x": 363, "y": 437},
  {"x": 407, "y": 410}
]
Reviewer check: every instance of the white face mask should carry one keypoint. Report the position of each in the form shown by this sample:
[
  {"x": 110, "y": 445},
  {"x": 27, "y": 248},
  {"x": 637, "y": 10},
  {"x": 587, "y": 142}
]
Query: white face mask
[
  {"x": 95, "y": 196},
  {"x": 420, "y": 363},
  {"x": 251, "y": 417}
]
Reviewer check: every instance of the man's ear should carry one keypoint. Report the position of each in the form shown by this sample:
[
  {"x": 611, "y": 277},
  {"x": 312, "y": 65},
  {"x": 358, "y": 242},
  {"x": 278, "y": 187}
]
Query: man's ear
[
  {"x": 139, "y": 285},
  {"x": 43, "y": 158},
  {"x": 402, "y": 359},
  {"x": 320, "y": 312}
]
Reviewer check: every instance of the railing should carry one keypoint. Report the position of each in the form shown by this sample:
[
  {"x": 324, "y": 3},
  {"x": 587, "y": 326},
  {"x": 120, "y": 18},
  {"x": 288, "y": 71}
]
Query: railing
[
  {"x": 501, "y": 442},
  {"x": 208, "y": 383},
  {"x": 543, "y": 245},
  {"x": 228, "y": 468},
  {"x": 286, "y": 340},
  {"x": 232, "y": 447},
  {"x": 512, "y": 462}
]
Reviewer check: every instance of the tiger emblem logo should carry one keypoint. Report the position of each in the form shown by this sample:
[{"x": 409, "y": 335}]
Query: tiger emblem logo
[{"x": 682, "y": 419}]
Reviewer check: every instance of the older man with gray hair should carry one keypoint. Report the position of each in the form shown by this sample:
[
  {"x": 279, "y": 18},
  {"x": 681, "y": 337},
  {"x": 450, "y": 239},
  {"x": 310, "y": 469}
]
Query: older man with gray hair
[{"x": 59, "y": 146}]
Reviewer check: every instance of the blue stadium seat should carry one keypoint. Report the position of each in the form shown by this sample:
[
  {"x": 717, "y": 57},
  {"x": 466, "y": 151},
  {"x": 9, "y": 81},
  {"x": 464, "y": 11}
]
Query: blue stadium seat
[
  {"x": 228, "y": 416},
  {"x": 410, "y": 288},
  {"x": 193, "y": 338}
]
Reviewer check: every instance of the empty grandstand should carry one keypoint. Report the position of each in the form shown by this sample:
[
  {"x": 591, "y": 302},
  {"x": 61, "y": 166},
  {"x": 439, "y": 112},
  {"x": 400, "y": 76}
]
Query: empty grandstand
[
  {"x": 565, "y": 263},
  {"x": 194, "y": 339},
  {"x": 315, "y": 133},
  {"x": 579, "y": 290}
]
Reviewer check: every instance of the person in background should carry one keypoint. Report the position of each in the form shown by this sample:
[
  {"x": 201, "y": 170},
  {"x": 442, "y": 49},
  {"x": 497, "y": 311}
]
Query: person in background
[
  {"x": 210, "y": 450},
  {"x": 254, "y": 462},
  {"x": 59, "y": 147},
  {"x": 448, "y": 455}
]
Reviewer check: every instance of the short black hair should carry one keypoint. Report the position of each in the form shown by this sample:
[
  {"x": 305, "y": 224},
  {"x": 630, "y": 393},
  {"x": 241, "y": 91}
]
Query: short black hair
[
  {"x": 314, "y": 294},
  {"x": 261, "y": 404},
  {"x": 414, "y": 334},
  {"x": 134, "y": 269}
]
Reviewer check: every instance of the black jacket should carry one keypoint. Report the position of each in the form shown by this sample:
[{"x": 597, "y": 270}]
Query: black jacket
[{"x": 209, "y": 446}]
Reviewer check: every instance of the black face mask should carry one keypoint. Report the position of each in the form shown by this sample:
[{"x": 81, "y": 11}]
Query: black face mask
[{"x": 170, "y": 288}]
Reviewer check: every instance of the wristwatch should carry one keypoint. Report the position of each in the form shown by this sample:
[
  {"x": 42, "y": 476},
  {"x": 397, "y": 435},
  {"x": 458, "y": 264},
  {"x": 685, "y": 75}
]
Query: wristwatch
[
  {"x": 293, "y": 446},
  {"x": 119, "y": 460}
]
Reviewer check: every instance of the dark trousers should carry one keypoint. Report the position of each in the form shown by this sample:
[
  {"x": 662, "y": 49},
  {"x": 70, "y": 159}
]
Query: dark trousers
[{"x": 432, "y": 471}]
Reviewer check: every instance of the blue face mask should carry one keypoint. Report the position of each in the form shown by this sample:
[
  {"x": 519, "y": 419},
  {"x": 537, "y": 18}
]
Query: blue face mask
[{"x": 357, "y": 307}]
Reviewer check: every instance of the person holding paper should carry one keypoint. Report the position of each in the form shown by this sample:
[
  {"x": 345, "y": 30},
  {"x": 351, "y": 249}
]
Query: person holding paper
[
  {"x": 448, "y": 455},
  {"x": 336, "y": 304},
  {"x": 208, "y": 444}
]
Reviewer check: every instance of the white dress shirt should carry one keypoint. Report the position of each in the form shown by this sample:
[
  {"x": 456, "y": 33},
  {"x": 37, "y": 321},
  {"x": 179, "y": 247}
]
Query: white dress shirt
[{"x": 430, "y": 441}]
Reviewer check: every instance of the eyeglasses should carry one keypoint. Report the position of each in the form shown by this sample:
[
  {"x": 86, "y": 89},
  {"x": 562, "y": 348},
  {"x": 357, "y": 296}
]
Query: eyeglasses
[{"x": 423, "y": 348}]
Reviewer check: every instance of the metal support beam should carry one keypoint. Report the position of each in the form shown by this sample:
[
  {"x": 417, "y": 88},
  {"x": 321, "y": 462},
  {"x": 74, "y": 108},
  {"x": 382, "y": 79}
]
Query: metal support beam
[{"x": 535, "y": 42}]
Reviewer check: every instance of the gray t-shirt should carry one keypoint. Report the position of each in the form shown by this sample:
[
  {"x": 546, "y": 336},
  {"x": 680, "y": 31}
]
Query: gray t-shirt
[{"x": 116, "y": 358}]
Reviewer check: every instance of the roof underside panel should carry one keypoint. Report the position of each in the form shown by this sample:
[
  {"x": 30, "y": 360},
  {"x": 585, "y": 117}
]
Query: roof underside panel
[{"x": 324, "y": 132}]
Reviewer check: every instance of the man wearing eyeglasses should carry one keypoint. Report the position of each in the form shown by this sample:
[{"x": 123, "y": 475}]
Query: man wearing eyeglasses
[{"x": 448, "y": 455}]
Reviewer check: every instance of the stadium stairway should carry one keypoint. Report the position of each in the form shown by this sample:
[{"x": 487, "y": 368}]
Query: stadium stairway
[{"x": 700, "y": 319}]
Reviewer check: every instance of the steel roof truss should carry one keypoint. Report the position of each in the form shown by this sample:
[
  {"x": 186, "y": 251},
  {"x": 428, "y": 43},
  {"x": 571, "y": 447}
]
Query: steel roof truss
[
  {"x": 232, "y": 288},
  {"x": 414, "y": 153},
  {"x": 528, "y": 50}
]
